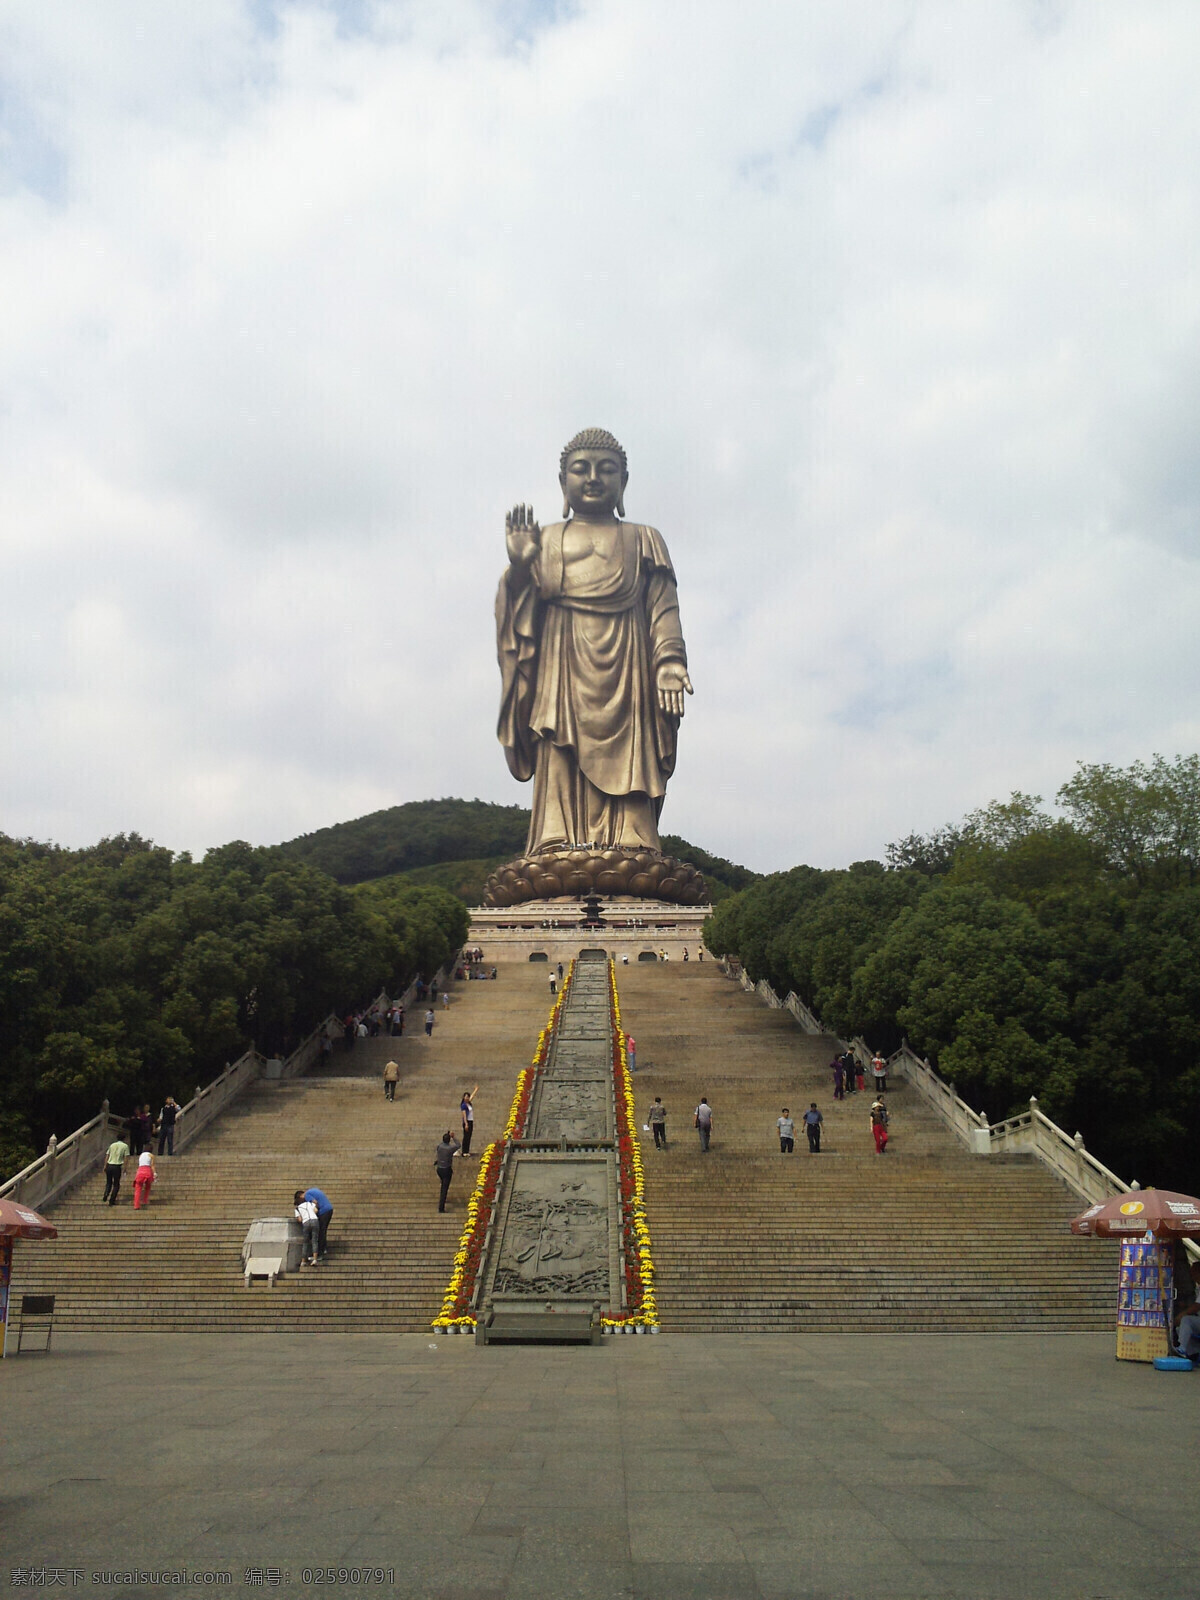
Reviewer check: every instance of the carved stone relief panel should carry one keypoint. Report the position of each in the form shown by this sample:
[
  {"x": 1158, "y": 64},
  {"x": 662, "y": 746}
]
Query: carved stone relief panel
[
  {"x": 575, "y": 1058},
  {"x": 557, "y": 1236},
  {"x": 577, "y": 1109}
]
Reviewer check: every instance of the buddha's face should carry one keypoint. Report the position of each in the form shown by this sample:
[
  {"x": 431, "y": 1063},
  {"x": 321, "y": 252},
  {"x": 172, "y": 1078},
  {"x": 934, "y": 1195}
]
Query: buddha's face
[{"x": 593, "y": 482}]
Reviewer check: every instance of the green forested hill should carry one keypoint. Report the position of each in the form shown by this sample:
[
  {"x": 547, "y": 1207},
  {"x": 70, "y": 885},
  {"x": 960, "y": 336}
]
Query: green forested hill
[
  {"x": 455, "y": 844},
  {"x": 420, "y": 833},
  {"x": 463, "y": 879}
]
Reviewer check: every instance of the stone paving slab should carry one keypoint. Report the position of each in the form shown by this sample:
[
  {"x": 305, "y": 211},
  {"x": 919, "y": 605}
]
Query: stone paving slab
[{"x": 672, "y": 1468}]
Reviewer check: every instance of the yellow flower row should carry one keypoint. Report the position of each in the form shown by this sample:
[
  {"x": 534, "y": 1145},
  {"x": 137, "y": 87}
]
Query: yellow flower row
[
  {"x": 447, "y": 1317},
  {"x": 450, "y": 1299},
  {"x": 645, "y": 1315}
]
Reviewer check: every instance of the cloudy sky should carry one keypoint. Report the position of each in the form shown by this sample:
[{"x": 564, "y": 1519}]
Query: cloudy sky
[{"x": 895, "y": 307}]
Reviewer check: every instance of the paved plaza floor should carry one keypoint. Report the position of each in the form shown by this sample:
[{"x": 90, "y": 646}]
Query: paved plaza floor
[{"x": 672, "y": 1467}]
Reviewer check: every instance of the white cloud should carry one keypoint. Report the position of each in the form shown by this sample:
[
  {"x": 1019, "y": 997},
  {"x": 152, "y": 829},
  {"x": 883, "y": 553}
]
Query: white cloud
[{"x": 895, "y": 310}]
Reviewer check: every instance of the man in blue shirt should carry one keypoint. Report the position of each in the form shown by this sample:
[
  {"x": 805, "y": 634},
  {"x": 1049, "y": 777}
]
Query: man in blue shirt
[
  {"x": 324, "y": 1215},
  {"x": 812, "y": 1127}
]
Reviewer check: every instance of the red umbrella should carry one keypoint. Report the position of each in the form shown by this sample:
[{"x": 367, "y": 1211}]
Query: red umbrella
[
  {"x": 19, "y": 1222},
  {"x": 1156, "y": 1211}
]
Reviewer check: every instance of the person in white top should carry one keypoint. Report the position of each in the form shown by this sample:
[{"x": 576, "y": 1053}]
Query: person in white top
[
  {"x": 466, "y": 1108},
  {"x": 306, "y": 1216},
  {"x": 143, "y": 1180},
  {"x": 879, "y": 1072},
  {"x": 704, "y": 1121}
]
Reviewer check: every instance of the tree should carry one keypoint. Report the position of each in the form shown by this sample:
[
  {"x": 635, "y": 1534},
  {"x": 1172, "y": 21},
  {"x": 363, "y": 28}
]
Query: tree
[
  {"x": 971, "y": 978},
  {"x": 128, "y": 973},
  {"x": 1144, "y": 820},
  {"x": 929, "y": 853}
]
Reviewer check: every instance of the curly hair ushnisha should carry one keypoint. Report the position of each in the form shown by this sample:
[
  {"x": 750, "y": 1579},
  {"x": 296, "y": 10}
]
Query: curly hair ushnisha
[{"x": 593, "y": 439}]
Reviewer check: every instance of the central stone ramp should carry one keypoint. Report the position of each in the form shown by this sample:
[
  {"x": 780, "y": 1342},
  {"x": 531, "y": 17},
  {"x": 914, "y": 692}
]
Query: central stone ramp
[
  {"x": 927, "y": 1238},
  {"x": 553, "y": 1264}
]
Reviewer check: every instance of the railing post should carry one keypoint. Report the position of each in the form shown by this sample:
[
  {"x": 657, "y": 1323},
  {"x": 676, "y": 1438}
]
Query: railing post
[{"x": 1079, "y": 1166}]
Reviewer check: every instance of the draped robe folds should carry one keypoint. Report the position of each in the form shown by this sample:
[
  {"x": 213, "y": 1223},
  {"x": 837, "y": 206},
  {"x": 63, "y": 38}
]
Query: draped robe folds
[{"x": 580, "y": 644}]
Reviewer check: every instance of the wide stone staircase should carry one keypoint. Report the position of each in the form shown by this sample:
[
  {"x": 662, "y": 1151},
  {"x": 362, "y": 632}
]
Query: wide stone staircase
[{"x": 926, "y": 1238}]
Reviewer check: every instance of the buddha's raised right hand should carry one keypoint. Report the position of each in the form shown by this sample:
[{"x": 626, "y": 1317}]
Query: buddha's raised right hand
[{"x": 522, "y": 535}]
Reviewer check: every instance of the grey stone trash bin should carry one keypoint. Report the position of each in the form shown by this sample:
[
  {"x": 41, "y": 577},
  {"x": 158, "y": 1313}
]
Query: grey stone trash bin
[{"x": 272, "y": 1246}]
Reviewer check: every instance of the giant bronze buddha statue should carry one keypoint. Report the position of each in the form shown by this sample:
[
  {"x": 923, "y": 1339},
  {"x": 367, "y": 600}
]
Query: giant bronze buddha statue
[{"x": 593, "y": 671}]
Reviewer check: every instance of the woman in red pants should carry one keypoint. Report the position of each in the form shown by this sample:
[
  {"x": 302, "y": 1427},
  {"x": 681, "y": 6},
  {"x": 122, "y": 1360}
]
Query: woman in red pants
[
  {"x": 879, "y": 1127},
  {"x": 143, "y": 1180}
]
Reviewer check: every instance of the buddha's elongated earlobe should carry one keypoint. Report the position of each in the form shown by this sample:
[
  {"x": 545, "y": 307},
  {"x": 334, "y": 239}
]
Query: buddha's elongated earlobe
[
  {"x": 621, "y": 502},
  {"x": 566, "y": 507}
]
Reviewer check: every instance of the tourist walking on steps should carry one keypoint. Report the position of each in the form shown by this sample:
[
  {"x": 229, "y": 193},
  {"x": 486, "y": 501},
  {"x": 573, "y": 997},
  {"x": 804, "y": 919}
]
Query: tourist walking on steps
[
  {"x": 391, "y": 1076},
  {"x": 115, "y": 1158},
  {"x": 631, "y": 1052},
  {"x": 879, "y": 1127},
  {"x": 306, "y": 1216},
  {"x": 656, "y": 1117},
  {"x": 879, "y": 1073},
  {"x": 787, "y": 1132},
  {"x": 812, "y": 1127},
  {"x": 445, "y": 999},
  {"x": 166, "y": 1126},
  {"x": 143, "y": 1180},
  {"x": 839, "y": 1078},
  {"x": 429, "y": 1023},
  {"x": 466, "y": 1107},
  {"x": 848, "y": 1070},
  {"x": 553, "y": 984},
  {"x": 141, "y": 1125},
  {"x": 704, "y": 1122},
  {"x": 324, "y": 1215},
  {"x": 444, "y": 1163}
]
